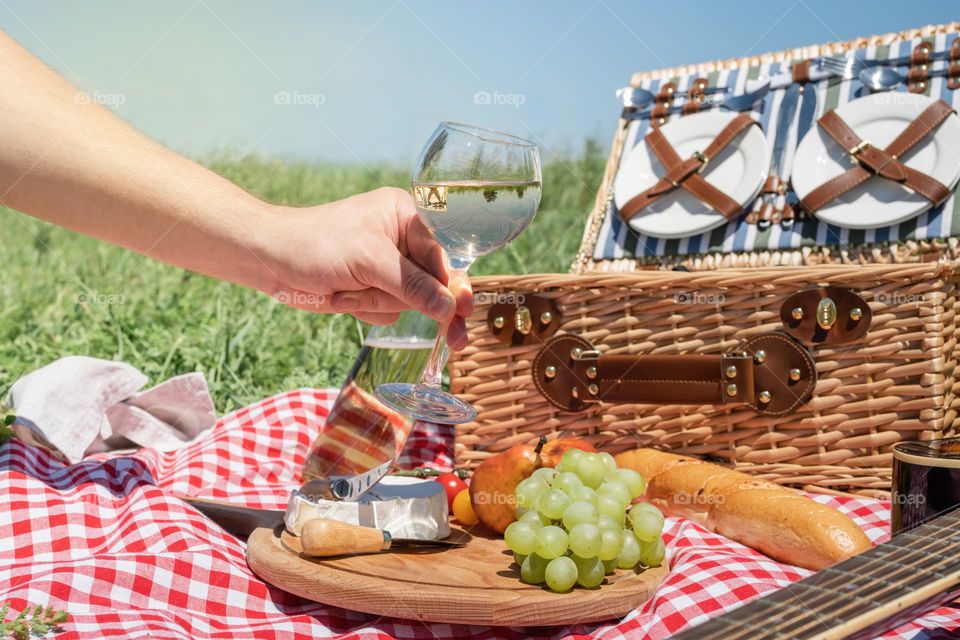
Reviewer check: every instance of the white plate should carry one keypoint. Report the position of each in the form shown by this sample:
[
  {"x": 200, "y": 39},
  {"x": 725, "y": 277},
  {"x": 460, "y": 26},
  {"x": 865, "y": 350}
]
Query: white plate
[
  {"x": 739, "y": 172},
  {"x": 877, "y": 118}
]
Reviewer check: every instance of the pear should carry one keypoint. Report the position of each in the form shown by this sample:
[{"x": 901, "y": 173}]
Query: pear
[
  {"x": 495, "y": 480},
  {"x": 552, "y": 451}
]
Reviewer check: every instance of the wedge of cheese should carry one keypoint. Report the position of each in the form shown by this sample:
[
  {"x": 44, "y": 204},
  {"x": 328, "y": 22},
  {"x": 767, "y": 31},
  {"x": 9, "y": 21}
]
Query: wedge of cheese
[{"x": 406, "y": 507}]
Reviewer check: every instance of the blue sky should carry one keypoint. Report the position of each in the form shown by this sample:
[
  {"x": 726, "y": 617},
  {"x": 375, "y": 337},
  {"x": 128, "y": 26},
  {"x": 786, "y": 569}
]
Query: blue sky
[{"x": 365, "y": 82}]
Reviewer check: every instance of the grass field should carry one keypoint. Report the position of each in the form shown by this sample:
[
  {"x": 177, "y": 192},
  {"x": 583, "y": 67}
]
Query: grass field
[{"x": 66, "y": 294}]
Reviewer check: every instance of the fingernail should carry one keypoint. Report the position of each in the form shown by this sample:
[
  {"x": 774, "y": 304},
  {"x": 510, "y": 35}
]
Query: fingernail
[{"x": 441, "y": 306}]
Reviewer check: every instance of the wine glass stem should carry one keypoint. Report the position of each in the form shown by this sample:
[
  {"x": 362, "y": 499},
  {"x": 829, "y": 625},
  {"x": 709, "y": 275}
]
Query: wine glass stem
[{"x": 432, "y": 375}]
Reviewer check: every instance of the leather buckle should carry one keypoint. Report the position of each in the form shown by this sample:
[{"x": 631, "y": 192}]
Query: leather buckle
[
  {"x": 858, "y": 149},
  {"x": 704, "y": 160}
]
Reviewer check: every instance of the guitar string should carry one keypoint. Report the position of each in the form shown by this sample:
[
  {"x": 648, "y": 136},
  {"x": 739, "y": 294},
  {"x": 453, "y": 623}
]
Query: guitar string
[
  {"x": 807, "y": 609},
  {"x": 815, "y": 608}
]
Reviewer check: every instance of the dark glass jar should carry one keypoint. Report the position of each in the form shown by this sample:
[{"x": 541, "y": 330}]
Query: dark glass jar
[{"x": 926, "y": 481}]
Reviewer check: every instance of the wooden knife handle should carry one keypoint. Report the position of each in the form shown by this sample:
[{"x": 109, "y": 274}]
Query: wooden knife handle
[{"x": 321, "y": 537}]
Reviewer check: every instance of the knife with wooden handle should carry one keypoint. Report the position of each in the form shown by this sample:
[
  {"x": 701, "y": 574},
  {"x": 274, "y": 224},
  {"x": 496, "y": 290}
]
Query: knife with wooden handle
[{"x": 320, "y": 537}]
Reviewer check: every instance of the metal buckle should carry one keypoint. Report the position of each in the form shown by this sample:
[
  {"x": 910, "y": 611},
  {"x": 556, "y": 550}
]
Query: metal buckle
[
  {"x": 592, "y": 354},
  {"x": 856, "y": 150},
  {"x": 704, "y": 160}
]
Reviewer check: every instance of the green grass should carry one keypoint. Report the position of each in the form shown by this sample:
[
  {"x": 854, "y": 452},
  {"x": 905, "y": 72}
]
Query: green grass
[{"x": 64, "y": 294}]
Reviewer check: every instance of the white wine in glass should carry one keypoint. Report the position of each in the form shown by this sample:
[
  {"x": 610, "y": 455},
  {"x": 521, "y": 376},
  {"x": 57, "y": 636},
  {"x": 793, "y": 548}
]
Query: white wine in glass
[{"x": 476, "y": 189}]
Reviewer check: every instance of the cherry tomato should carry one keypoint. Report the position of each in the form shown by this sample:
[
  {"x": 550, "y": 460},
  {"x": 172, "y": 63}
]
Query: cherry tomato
[
  {"x": 463, "y": 509},
  {"x": 452, "y": 484}
]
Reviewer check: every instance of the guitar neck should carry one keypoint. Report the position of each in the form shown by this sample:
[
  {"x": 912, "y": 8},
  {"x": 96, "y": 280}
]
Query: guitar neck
[{"x": 880, "y": 589}]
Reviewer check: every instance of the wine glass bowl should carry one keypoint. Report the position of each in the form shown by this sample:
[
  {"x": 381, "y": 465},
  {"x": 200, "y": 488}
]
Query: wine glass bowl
[{"x": 475, "y": 189}]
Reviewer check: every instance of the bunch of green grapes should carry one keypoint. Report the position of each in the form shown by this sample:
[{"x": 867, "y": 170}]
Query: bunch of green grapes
[{"x": 575, "y": 523}]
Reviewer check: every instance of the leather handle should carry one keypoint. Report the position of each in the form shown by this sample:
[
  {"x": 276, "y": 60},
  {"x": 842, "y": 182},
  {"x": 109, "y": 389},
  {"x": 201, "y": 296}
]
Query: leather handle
[
  {"x": 712, "y": 379},
  {"x": 770, "y": 373}
]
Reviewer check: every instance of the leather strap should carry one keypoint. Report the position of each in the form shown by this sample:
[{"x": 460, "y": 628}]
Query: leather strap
[
  {"x": 801, "y": 71},
  {"x": 685, "y": 174},
  {"x": 769, "y": 372},
  {"x": 671, "y": 379},
  {"x": 918, "y": 75},
  {"x": 661, "y": 105},
  {"x": 695, "y": 96},
  {"x": 953, "y": 68},
  {"x": 885, "y": 163}
]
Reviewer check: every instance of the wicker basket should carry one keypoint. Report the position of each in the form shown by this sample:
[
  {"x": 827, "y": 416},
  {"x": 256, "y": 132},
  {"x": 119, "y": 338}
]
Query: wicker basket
[
  {"x": 897, "y": 383},
  {"x": 858, "y": 251},
  {"x": 894, "y": 383}
]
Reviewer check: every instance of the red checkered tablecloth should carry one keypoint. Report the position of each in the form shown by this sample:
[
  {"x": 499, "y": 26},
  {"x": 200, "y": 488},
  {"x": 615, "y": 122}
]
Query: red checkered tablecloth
[{"x": 108, "y": 541}]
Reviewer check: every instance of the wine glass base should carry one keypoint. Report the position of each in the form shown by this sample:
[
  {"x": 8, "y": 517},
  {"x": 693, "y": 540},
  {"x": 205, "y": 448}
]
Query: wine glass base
[{"x": 425, "y": 403}]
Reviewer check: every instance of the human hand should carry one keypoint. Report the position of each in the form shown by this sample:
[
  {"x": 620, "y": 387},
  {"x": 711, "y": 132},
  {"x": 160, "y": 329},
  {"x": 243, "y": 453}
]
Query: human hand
[{"x": 368, "y": 255}]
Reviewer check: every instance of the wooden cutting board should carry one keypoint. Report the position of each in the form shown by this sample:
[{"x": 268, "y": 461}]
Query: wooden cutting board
[{"x": 474, "y": 584}]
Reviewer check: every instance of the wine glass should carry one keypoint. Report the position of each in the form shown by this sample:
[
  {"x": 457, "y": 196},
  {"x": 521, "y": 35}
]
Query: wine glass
[{"x": 476, "y": 189}]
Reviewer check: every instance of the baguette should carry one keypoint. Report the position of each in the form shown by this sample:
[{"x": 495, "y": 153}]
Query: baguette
[{"x": 777, "y": 521}]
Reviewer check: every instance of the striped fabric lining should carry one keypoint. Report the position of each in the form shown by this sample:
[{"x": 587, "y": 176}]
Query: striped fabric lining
[{"x": 616, "y": 240}]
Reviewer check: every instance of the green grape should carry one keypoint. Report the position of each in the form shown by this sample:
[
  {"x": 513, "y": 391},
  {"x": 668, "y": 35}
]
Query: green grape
[
  {"x": 612, "y": 544},
  {"x": 584, "y": 494},
  {"x": 606, "y": 522},
  {"x": 618, "y": 490},
  {"x": 590, "y": 572},
  {"x": 561, "y": 574},
  {"x": 519, "y": 558},
  {"x": 586, "y": 540},
  {"x": 553, "y": 503},
  {"x": 630, "y": 553},
  {"x": 609, "y": 566},
  {"x": 652, "y": 553},
  {"x": 529, "y": 490},
  {"x": 534, "y": 519},
  {"x": 547, "y": 474},
  {"x": 532, "y": 569},
  {"x": 591, "y": 469},
  {"x": 568, "y": 461},
  {"x": 579, "y": 512},
  {"x": 647, "y": 521},
  {"x": 633, "y": 480},
  {"x": 608, "y": 505},
  {"x": 610, "y": 463},
  {"x": 521, "y": 537},
  {"x": 551, "y": 542},
  {"x": 567, "y": 482}
]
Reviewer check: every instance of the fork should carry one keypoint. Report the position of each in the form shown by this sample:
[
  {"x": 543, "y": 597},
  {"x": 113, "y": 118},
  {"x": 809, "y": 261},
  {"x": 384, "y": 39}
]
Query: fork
[{"x": 848, "y": 68}]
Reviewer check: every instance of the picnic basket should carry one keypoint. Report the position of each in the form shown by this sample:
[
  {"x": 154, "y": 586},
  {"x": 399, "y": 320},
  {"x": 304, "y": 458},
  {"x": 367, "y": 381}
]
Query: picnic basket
[{"x": 697, "y": 345}]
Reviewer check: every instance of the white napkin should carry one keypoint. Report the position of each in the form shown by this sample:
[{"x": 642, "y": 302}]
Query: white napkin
[{"x": 77, "y": 405}]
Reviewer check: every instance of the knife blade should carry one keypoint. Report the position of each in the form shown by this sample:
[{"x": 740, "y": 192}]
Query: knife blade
[
  {"x": 236, "y": 519},
  {"x": 348, "y": 488}
]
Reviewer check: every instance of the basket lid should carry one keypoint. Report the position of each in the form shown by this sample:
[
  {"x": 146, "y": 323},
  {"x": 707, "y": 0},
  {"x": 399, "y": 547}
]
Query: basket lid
[{"x": 609, "y": 244}]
